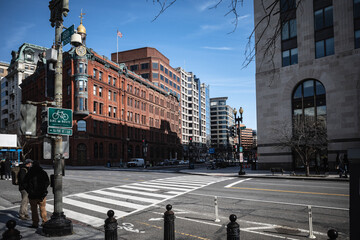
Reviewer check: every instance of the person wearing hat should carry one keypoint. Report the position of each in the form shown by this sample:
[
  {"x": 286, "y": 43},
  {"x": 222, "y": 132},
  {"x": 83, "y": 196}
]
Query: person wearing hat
[{"x": 24, "y": 168}]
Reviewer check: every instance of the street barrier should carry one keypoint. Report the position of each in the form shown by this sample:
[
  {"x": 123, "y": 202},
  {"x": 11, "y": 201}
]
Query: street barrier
[
  {"x": 311, "y": 234},
  {"x": 111, "y": 226},
  {"x": 233, "y": 229},
  {"x": 216, "y": 210},
  {"x": 169, "y": 223},
  {"x": 11, "y": 233}
]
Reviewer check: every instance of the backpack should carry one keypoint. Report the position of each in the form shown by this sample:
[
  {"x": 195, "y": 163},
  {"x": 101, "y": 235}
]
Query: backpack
[{"x": 15, "y": 174}]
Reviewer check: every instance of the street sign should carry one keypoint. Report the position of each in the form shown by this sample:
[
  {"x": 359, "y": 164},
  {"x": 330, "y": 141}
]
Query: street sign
[
  {"x": 211, "y": 150},
  {"x": 59, "y": 131},
  {"x": 66, "y": 35},
  {"x": 241, "y": 149},
  {"x": 242, "y": 127},
  {"x": 60, "y": 117}
]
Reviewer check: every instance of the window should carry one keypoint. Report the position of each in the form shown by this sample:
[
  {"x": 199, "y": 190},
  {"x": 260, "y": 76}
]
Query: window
[
  {"x": 81, "y": 85},
  {"x": 94, "y": 73},
  {"x": 114, "y": 112},
  {"x": 324, "y": 48},
  {"x": 166, "y": 70},
  {"x": 109, "y": 95},
  {"x": 101, "y": 108},
  {"x": 357, "y": 39},
  {"x": 95, "y": 107},
  {"x": 288, "y": 29},
  {"x": 145, "y": 75},
  {"x": 94, "y": 90},
  {"x": 114, "y": 82},
  {"x": 155, "y": 65},
  {"x": 289, "y": 57},
  {"x": 100, "y": 91},
  {"x": 110, "y": 111},
  {"x": 109, "y": 79},
  {"x": 81, "y": 124},
  {"x": 155, "y": 75},
  {"x": 100, "y": 76},
  {"x": 114, "y": 96},
  {"x": 287, "y": 5},
  {"x": 323, "y": 18},
  {"x": 134, "y": 67},
  {"x": 145, "y": 66},
  {"x": 81, "y": 67},
  {"x": 96, "y": 150},
  {"x": 161, "y": 67}
]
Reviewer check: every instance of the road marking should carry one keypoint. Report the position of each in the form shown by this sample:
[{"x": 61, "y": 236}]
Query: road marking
[
  {"x": 156, "y": 219},
  {"x": 165, "y": 184},
  {"x": 274, "y": 202},
  {"x": 140, "y": 188},
  {"x": 118, "y": 189},
  {"x": 234, "y": 183},
  {"x": 289, "y": 191},
  {"x": 162, "y": 187},
  {"x": 126, "y": 196}
]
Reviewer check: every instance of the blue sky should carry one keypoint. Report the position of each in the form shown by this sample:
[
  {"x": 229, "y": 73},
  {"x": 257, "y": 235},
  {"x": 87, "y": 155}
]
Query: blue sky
[{"x": 190, "y": 34}]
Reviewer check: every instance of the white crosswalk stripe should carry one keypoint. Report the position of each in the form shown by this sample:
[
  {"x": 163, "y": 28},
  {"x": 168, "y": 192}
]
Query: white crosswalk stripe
[{"x": 91, "y": 207}]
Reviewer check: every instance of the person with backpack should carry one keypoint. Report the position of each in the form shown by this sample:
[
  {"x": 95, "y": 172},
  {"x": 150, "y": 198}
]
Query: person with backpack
[
  {"x": 36, "y": 183},
  {"x": 24, "y": 168}
]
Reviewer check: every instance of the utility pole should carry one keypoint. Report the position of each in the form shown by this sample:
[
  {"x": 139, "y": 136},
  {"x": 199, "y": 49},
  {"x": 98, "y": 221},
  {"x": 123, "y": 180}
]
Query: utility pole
[{"x": 58, "y": 225}]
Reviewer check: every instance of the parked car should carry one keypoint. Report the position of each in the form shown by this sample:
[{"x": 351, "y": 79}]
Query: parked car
[{"x": 136, "y": 162}]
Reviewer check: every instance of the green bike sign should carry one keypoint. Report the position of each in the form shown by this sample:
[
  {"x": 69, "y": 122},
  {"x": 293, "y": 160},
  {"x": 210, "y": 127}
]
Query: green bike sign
[{"x": 59, "y": 117}]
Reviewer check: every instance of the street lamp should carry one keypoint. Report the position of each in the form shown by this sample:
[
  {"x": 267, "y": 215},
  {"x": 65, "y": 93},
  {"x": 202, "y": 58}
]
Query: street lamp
[{"x": 239, "y": 120}]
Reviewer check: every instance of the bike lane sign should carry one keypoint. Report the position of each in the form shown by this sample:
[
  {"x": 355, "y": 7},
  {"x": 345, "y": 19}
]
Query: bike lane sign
[{"x": 60, "y": 117}]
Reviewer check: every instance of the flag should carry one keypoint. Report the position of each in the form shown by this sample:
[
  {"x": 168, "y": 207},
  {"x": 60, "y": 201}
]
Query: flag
[{"x": 119, "y": 34}]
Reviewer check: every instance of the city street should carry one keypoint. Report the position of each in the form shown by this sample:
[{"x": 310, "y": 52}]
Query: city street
[{"x": 266, "y": 208}]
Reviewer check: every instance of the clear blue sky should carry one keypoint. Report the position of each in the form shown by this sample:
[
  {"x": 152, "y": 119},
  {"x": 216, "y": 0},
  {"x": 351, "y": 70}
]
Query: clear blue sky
[{"x": 188, "y": 33}]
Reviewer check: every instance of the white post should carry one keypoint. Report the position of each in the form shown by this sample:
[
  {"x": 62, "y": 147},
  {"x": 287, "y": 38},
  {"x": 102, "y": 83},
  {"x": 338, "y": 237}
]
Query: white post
[
  {"x": 216, "y": 210},
  {"x": 311, "y": 235}
]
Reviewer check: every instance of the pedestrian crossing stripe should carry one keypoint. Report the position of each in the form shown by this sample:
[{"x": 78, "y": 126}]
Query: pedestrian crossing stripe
[{"x": 91, "y": 207}]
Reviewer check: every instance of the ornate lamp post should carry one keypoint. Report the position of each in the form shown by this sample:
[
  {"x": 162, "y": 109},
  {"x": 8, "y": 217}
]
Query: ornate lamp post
[{"x": 239, "y": 120}]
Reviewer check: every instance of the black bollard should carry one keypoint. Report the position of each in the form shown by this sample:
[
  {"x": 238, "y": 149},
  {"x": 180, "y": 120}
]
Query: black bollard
[
  {"x": 169, "y": 224},
  {"x": 233, "y": 228},
  {"x": 11, "y": 233},
  {"x": 111, "y": 226},
  {"x": 332, "y": 234}
]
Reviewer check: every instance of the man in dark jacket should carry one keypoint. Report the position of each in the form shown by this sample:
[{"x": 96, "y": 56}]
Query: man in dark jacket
[
  {"x": 36, "y": 183},
  {"x": 2, "y": 168},
  {"x": 7, "y": 169},
  {"x": 24, "y": 169}
]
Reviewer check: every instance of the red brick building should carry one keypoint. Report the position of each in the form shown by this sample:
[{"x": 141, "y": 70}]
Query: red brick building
[{"x": 117, "y": 114}]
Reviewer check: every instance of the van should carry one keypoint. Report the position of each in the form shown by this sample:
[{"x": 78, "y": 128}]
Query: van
[{"x": 136, "y": 162}]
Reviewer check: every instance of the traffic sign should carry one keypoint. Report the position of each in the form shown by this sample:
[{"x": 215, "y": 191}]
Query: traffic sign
[
  {"x": 242, "y": 127},
  {"x": 59, "y": 131},
  {"x": 241, "y": 149},
  {"x": 60, "y": 117},
  {"x": 211, "y": 150},
  {"x": 66, "y": 35}
]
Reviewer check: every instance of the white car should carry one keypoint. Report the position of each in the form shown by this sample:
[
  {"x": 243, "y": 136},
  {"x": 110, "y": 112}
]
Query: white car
[{"x": 136, "y": 162}]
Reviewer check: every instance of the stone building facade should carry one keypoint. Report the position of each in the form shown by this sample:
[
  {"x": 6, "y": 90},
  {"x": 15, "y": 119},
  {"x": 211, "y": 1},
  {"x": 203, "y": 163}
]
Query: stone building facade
[{"x": 312, "y": 71}]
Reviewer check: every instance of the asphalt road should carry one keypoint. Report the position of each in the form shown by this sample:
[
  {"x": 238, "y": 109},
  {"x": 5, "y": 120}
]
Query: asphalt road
[{"x": 266, "y": 208}]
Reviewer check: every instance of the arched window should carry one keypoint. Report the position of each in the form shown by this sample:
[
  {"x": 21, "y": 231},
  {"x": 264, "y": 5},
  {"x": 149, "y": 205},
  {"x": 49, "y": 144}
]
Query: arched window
[
  {"x": 81, "y": 153},
  {"x": 309, "y": 100},
  {"x": 81, "y": 126},
  {"x": 96, "y": 150},
  {"x": 101, "y": 150}
]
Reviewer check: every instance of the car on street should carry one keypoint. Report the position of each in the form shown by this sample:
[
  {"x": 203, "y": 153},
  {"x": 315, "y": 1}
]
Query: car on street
[{"x": 136, "y": 162}]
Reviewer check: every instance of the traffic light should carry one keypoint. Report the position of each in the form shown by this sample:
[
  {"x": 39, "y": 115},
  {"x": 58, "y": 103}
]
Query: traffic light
[
  {"x": 44, "y": 120},
  {"x": 235, "y": 148},
  {"x": 190, "y": 140},
  {"x": 144, "y": 142},
  {"x": 28, "y": 119}
]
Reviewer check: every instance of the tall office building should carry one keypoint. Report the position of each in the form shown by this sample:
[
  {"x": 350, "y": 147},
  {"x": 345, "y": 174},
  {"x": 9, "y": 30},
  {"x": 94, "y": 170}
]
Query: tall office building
[
  {"x": 313, "y": 72},
  {"x": 222, "y": 118},
  {"x": 23, "y": 64}
]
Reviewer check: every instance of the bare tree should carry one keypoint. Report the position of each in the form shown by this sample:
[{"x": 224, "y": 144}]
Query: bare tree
[
  {"x": 307, "y": 137},
  {"x": 270, "y": 10}
]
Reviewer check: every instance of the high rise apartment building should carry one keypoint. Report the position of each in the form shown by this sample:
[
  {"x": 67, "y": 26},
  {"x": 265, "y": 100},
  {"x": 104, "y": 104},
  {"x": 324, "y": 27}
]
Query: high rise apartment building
[
  {"x": 313, "y": 72},
  {"x": 23, "y": 64},
  {"x": 194, "y": 108}
]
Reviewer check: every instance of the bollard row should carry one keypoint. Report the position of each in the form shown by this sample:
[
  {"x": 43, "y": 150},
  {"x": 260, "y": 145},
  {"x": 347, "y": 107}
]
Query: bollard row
[{"x": 11, "y": 233}]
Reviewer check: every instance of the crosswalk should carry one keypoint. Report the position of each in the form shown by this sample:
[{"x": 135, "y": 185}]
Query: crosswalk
[{"x": 91, "y": 207}]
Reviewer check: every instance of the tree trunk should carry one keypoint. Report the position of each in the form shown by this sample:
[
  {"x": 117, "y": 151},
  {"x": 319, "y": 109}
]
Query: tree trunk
[{"x": 307, "y": 170}]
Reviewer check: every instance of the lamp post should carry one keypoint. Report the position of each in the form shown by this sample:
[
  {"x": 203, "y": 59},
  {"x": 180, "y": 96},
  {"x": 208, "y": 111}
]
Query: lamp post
[
  {"x": 58, "y": 225},
  {"x": 239, "y": 120}
]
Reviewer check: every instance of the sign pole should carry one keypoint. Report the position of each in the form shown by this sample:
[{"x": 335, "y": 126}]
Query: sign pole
[{"x": 58, "y": 225}]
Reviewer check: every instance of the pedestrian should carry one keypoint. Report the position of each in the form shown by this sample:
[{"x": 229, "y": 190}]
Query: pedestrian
[
  {"x": 36, "y": 183},
  {"x": 7, "y": 169},
  {"x": 337, "y": 162},
  {"x": 24, "y": 169},
  {"x": 346, "y": 164},
  {"x": 2, "y": 168}
]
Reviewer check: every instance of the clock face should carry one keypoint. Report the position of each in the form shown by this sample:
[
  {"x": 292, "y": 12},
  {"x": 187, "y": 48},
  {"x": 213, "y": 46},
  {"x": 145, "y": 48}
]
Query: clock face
[{"x": 81, "y": 50}]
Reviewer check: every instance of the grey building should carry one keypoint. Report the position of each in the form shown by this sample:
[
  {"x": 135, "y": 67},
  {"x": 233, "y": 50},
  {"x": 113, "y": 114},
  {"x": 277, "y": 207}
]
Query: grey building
[
  {"x": 313, "y": 71},
  {"x": 23, "y": 64}
]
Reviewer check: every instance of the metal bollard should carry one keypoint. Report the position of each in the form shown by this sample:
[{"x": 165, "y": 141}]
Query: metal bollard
[
  {"x": 311, "y": 234},
  {"x": 216, "y": 210},
  {"x": 233, "y": 228},
  {"x": 332, "y": 234},
  {"x": 169, "y": 224},
  {"x": 111, "y": 226},
  {"x": 11, "y": 233}
]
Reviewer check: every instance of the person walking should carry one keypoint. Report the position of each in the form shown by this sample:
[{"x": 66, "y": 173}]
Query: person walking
[
  {"x": 2, "y": 168},
  {"x": 24, "y": 169},
  {"x": 36, "y": 183},
  {"x": 7, "y": 169}
]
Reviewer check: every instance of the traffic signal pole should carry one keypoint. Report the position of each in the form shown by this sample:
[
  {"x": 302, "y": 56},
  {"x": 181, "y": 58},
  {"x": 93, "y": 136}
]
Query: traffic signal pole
[{"x": 58, "y": 225}]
